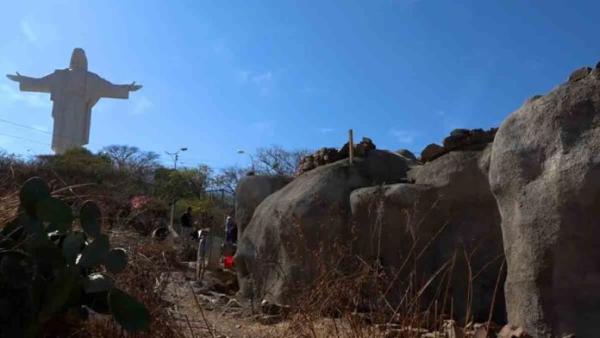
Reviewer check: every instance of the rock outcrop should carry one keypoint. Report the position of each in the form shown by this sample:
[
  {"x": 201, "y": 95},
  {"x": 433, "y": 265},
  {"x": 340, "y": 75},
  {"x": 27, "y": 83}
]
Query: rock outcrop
[
  {"x": 449, "y": 214},
  {"x": 459, "y": 139},
  {"x": 294, "y": 232},
  {"x": 528, "y": 192},
  {"x": 321, "y": 157},
  {"x": 251, "y": 191},
  {"x": 545, "y": 175},
  {"x": 325, "y": 156}
]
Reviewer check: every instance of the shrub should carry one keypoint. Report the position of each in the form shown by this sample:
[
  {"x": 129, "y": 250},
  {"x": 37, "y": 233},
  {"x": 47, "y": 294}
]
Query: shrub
[{"x": 51, "y": 272}]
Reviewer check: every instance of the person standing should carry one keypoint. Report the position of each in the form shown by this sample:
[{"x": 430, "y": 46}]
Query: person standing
[
  {"x": 230, "y": 230},
  {"x": 229, "y": 247},
  {"x": 186, "y": 222},
  {"x": 201, "y": 254}
]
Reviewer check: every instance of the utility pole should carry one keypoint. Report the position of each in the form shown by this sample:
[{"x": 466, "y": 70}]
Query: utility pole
[{"x": 175, "y": 157}]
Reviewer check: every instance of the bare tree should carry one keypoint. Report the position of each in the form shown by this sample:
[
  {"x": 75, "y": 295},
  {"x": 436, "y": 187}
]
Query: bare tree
[
  {"x": 228, "y": 179},
  {"x": 277, "y": 161},
  {"x": 132, "y": 159}
]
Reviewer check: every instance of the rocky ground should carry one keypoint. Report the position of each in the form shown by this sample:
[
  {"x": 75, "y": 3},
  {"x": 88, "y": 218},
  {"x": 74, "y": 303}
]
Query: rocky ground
[{"x": 210, "y": 308}]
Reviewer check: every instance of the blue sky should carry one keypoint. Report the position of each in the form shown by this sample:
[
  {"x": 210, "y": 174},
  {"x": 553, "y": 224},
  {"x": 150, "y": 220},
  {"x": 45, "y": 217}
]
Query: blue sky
[{"x": 223, "y": 75}]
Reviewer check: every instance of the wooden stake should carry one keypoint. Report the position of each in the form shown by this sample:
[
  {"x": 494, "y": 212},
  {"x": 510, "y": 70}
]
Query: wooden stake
[{"x": 350, "y": 146}]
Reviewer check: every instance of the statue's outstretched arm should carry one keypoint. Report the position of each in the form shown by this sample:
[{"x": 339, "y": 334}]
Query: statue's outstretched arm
[
  {"x": 32, "y": 84},
  {"x": 16, "y": 78},
  {"x": 104, "y": 88},
  {"x": 134, "y": 87}
]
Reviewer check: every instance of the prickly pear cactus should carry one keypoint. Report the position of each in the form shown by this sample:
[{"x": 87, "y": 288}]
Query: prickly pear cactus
[{"x": 48, "y": 268}]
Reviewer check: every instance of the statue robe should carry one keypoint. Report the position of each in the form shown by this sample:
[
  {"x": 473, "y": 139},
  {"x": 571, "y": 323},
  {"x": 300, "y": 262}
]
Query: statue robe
[{"x": 73, "y": 93}]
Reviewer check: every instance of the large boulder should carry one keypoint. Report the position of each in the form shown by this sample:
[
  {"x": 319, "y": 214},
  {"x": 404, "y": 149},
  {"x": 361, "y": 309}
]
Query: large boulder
[
  {"x": 294, "y": 232},
  {"x": 446, "y": 224},
  {"x": 545, "y": 174},
  {"x": 251, "y": 191}
]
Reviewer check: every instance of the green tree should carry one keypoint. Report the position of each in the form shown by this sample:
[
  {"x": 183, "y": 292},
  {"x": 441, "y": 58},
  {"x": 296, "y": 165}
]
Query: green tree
[
  {"x": 79, "y": 165},
  {"x": 172, "y": 184}
]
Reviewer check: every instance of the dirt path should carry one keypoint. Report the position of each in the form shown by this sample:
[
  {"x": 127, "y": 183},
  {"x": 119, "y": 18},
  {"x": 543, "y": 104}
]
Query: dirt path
[{"x": 203, "y": 312}]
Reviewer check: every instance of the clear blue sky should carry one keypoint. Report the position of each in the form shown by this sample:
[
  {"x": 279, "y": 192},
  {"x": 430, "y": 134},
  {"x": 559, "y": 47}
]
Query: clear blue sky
[{"x": 223, "y": 75}]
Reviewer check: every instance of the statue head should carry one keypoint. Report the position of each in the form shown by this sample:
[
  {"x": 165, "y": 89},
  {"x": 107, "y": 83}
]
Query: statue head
[{"x": 78, "y": 59}]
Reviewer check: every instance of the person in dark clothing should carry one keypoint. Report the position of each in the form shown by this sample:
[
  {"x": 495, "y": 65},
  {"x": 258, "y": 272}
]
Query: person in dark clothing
[
  {"x": 228, "y": 224},
  {"x": 187, "y": 224},
  {"x": 230, "y": 228},
  {"x": 233, "y": 234},
  {"x": 186, "y": 218}
]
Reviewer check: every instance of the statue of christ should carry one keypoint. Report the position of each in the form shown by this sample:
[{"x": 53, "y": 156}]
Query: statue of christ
[{"x": 73, "y": 91}]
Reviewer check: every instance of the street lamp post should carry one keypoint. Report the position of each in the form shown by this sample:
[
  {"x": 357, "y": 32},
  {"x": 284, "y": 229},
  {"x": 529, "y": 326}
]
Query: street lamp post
[
  {"x": 175, "y": 157},
  {"x": 242, "y": 151}
]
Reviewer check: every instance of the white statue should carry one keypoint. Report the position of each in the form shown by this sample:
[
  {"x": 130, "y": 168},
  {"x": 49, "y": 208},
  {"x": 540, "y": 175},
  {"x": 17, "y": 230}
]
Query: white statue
[{"x": 74, "y": 92}]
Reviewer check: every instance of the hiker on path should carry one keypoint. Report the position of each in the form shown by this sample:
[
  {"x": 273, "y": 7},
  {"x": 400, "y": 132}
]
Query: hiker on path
[
  {"x": 186, "y": 223},
  {"x": 230, "y": 231},
  {"x": 202, "y": 253}
]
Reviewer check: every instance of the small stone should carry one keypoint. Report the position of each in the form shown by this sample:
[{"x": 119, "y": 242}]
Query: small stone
[
  {"x": 364, "y": 147},
  {"x": 451, "y": 329},
  {"x": 596, "y": 72},
  {"x": 463, "y": 139},
  {"x": 270, "y": 319},
  {"x": 160, "y": 233},
  {"x": 406, "y": 154},
  {"x": 480, "y": 332},
  {"x": 269, "y": 308},
  {"x": 459, "y": 132},
  {"x": 366, "y": 140},
  {"x": 510, "y": 331},
  {"x": 580, "y": 74},
  {"x": 431, "y": 152},
  {"x": 534, "y": 98},
  {"x": 233, "y": 303},
  {"x": 307, "y": 163}
]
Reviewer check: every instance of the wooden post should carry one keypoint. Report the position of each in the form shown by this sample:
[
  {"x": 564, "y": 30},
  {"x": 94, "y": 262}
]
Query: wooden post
[{"x": 350, "y": 146}]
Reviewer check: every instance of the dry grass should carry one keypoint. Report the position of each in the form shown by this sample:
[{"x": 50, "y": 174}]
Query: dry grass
[
  {"x": 146, "y": 278},
  {"x": 9, "y": 204},
  {"x": 355, "y": 297},
  {"x": 355, "y": 304}
]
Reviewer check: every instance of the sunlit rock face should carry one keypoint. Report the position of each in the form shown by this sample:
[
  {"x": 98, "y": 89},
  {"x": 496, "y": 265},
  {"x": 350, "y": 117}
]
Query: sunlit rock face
[
  {"x": 295, "y": 233},
  {"x": 545, "y": 175},
  {"x": 251, "y": 190},
  {"x": 442, "y": 231}
]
